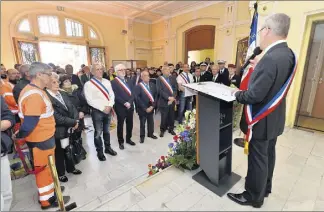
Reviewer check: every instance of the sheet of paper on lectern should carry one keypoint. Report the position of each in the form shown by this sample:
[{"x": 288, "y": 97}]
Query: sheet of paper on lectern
[
  {"x": 190, "y": 92},
  {"x": 213, "y": 89}
]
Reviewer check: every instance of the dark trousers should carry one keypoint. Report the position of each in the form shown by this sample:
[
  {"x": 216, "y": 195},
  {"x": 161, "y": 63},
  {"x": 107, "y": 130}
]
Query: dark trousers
[
  {"x": 101, "y": 124},
  {"x": 63, "y": 159},
  {"x": 261, "y": 163},
  {"x": 123, "y": 114},
  {"x": 167, "y": 117},
  {"x": 150, "y": 124},
  {"x": 185, "y": 103}
]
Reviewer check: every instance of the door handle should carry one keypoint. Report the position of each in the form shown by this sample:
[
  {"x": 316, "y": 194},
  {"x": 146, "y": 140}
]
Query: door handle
[{"x": 320, "y": 81}]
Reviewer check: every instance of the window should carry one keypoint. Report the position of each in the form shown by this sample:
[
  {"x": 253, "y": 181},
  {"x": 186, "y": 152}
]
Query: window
[
  {"x": 93, "y": 35},
  {"x": 73, "y": 28},
  {"x": 28, "y": 52},
  {"x": 97, "y": 55},
  {"x": 24, "y": 26},
  {"x": 48, "y": 25}
]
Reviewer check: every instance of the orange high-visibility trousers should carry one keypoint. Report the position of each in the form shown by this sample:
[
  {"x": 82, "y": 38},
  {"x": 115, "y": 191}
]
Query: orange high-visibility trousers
[{"x": 44, "y": 179}]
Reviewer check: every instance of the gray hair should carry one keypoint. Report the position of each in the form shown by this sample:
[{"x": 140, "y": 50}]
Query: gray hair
[
  {"x": 279, "y": 23},
  {"x": 142, "y": 73},
  {"x": 120, "y": 67},
  {"x": 55, "y": 76},
  {"x": 38, "y": 67},
  {"x": 93, "y": 67}
]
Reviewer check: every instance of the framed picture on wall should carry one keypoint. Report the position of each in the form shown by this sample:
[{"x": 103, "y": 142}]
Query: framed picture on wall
[{"x": 242, "y": 47}]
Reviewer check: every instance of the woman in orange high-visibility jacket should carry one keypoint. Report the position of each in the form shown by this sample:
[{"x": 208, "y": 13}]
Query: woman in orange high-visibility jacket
[{"x": 38, "y": 127}]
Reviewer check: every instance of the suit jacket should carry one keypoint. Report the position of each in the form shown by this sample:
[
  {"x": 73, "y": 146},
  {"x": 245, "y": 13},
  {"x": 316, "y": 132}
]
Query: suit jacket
[
  {"x": 65, "y": 117},
  {"x": 236, "y": 80},
  {"x": 196, "y": 79},
  {"x": 6, "y": 114},
  {"x": 223, "y": 77},
  {"x": 75, "y": 80},
  {"x": 84, "y": 78},
  {"x": 163, "y": 91},
  {"x": 121, "y": 96},
  {"x": 268, "y": 77},
  {"x": 142, "y": 100},
  {"x": 207, "y": 76}
]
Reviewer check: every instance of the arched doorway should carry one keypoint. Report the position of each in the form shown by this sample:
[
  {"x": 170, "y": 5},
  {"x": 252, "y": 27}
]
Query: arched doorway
[{"x": 199, "y": 38}]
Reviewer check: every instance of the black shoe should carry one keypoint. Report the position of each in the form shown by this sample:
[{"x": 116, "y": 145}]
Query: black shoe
[
  {"x": 101, "y": 157},
  {"x": 153, "y": 137},
  {"x": 62, "y": 190},
  {"x": 55, "y": 204},
  {"x": 142, "y": 140},
  {"x": 240, "y": 199},
  {"x": 110, "y": 151},
  {"x": 121, "y": 146},
  {"x": 77, "y": 172},
  {"x": 267, "y": 194},
  {"x": 130, "y": 142},
  {"x": 63, "y": 179},
  {"x": 172, "y": 132},
  {"x": 239, "y": 142},
  {"x": 161, "y": 134}
]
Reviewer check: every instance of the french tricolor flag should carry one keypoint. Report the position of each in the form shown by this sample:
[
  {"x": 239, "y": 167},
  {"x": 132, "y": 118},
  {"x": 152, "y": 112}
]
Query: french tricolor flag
[{"x": 252, "y": 44}]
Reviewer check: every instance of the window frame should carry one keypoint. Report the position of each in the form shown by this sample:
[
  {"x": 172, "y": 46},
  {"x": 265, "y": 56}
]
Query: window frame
[
  {"x": 30, "y": 26},
  {"x": 58, "y": 25},
  {"x": 92, "y": 29},
  {"x": 76, "y": 21}
]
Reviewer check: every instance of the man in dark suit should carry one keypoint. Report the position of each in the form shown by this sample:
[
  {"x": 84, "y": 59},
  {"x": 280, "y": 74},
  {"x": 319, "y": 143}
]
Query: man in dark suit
[
  {"x": 205, "y": 74},
  {"x": 146, "y": 103},
  {"x": 75, "y": 80},
  {"x": 268, "y": 77},
  {"x": 234, "y": 78},
  {"x": 223, "y": 74},
  {"x": 166, "y": 86},
  {"x": 124, "y": 105},
  {"x": 196, "y": 75},
  {"x": 86, "y": 76}
]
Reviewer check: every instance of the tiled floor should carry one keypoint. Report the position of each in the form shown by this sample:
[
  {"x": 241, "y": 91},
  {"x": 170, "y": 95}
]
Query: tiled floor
[{"x": 121, "y": 182}]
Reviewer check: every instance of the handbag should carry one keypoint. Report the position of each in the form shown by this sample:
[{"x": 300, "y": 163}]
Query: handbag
[{"x": 78, "y": 152}]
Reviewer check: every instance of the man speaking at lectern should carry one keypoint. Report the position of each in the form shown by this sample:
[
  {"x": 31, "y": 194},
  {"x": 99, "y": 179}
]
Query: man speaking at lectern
[{"x": 264, "y": 102}]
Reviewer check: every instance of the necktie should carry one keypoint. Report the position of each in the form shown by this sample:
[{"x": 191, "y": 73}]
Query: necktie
[
  {"x": 214, "y": 78},
  {"x": 148, "y": 87},
  {"x": 59, "y": 97}
]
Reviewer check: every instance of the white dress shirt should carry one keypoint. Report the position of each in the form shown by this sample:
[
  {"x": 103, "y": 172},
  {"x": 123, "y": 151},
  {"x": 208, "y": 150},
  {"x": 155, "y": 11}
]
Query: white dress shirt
[
  {"x": 95, "y": 97},
  {"x": 181, "y": 81}
]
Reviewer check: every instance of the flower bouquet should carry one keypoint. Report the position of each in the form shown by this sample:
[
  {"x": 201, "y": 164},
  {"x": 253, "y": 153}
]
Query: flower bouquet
[
  {"x": 182, "y": 151},
  {"x": 161, "y": 164}
]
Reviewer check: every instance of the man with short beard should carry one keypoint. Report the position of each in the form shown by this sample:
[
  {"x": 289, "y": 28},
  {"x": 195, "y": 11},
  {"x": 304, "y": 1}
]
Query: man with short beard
[{"x": 25, "y": 80}]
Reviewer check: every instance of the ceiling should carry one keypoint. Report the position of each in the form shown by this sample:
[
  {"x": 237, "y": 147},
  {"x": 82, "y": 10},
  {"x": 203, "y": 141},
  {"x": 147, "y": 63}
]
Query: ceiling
[{"x": 142, "y": 11}]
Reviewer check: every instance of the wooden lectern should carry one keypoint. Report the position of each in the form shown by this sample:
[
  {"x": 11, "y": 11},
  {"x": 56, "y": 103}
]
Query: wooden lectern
[{"x": 214, "y": 117}]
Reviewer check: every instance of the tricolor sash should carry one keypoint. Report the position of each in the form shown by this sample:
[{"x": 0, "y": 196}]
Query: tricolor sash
[
  {"x": 246, "y": 77},
  {"x": 102, "y": 89},
  {"x": 147, "y": 92},
  {"x": 267, "y": 109},
  {"x": 124, "y": 86},
  {"x": 185, "y": 78},
  {"x": 166, "y": 84}
]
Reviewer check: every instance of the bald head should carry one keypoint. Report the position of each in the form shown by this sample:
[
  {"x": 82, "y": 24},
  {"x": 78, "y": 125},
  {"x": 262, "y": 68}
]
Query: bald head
[
  {"x": 24, "y": 71},
  {"x": 13, "y": 74}
]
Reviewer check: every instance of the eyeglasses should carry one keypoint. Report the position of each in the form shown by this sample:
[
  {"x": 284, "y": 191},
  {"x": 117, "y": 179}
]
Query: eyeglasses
[
  {"x": 263, "y": 29},
  {"x": 47, "y": 73}
]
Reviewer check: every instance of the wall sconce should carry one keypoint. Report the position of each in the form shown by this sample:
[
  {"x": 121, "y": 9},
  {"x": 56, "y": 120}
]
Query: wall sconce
[
  {"x": 264, "y": 8},
  {"x": 166, "y": 42}
]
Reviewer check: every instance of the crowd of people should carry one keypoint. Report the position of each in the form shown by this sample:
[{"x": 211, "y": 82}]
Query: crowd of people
[{"x": 44, "y": 106}]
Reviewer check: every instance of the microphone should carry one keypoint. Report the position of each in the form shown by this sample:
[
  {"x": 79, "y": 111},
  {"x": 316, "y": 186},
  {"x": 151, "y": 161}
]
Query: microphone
[{"x": 256, "y": 52}]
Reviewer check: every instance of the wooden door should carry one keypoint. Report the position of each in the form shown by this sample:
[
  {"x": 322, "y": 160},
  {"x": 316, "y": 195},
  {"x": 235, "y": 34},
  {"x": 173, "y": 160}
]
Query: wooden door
[
  {"x": 311, "y": 113},
  {"x": 199, "y": 38},
  {"x": 26, "y": 51}
]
